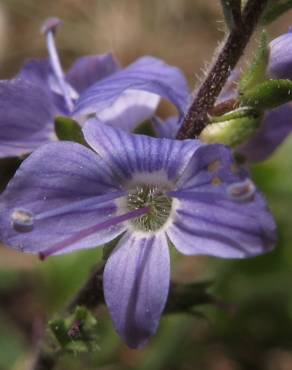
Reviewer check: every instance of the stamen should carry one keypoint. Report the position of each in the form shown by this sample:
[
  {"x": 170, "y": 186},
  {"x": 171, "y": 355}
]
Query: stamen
[
  {"x": 23, "y": 219},
  {"x": 195, "y": 195},
  {"x": 58, "y": 247},
  {"x": 242, "y": 191},
  {"x": 94, "y": 202},
  {"x": 49, "y": 29}
]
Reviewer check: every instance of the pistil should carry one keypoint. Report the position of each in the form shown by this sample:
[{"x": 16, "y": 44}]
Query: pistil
[
  {"x": 59, "y": 247},
  {"x": 159, "y": 204}
]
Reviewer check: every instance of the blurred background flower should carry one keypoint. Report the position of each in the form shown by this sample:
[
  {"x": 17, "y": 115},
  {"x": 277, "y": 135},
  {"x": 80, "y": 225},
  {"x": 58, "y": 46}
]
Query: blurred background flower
[{"x": 257, "y": 332}]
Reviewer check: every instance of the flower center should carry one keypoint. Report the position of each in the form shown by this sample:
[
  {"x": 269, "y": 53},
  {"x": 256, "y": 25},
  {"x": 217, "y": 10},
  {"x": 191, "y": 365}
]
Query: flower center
[{"x": 156, "y": 200}]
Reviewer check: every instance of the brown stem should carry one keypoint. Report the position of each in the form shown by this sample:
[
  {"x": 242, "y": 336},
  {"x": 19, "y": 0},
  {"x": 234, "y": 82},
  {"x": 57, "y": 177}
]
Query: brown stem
[
  {"x": 44, "y": 361},
  {"x": 235, "y": 7},
  {"x": 196, "y": 118},
  {"x": 91, "y": 294}
]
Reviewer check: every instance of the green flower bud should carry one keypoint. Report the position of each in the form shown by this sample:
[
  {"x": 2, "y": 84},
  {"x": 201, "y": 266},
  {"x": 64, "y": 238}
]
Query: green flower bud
[{"x": 232, "y": 128}]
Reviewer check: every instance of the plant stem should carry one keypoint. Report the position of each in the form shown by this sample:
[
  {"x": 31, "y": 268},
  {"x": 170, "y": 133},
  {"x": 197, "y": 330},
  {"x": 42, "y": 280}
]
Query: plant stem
[
  {"x": 91, "y": 294},
  {"x": 196, "y": 118},
  {"x": 232, "y": 12}
]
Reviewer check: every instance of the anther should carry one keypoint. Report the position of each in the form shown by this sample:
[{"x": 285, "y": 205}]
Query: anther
[
  {"x": 242, "y": 191},
  {"x": 49, "y": 29},
  {"x": 22, "y": 220},
  {"x": 50, "y": 25}
]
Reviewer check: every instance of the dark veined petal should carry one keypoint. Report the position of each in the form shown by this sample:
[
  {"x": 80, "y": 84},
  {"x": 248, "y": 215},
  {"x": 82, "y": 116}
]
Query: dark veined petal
[
  {"x": 89, "y": 69},
  {"x": 26, "y": 117},
  {"x": 276, "y": 126},
  {"x": 136, "y": 284},
  {"x": 219, "y": 212},
  {"x": 147, "y": 74},
  {"x": 56, "y": 197},
  {"x": 128, "y": 154}
]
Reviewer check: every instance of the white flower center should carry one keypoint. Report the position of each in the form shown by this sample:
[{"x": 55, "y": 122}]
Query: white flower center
[{"x": 154, "y": 197}]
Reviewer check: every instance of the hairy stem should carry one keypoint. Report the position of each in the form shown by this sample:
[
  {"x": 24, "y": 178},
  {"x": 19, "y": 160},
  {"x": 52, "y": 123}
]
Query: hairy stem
[
  {"x": 196, "y": 118},
  {"x": 232, "y": 12}
]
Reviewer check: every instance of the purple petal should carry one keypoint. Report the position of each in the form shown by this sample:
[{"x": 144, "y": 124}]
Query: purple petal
[
  {"x": 146, "y": 74},
  {"x": 166, "y": 128},
  {"x": 229, "y": 89},
  {"x": 136, "y": 284},
  {"x": 217, "y": 212},
  {"x": 128, "y": 154},
  {"x": 131, "y": 108},
  {"x": 276, "y": 126},
  {"x": 89, "y": 69},
  {"x": 280, "y": 58},
  {"x": 36, "y": 71},
  {"x": 50, "y": 199},
  {"x": 26, "y": 117},
  {"x": 39, "y": 72}
]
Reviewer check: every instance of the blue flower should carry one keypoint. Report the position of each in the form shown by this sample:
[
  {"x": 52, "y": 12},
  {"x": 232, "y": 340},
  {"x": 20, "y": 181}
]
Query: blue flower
[
  {"x": 95, "y": 86},
  {"x": 147, "y": 191}
]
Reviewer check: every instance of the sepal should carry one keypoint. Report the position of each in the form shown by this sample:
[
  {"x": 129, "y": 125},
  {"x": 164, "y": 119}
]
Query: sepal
[
  {"x": 76, "y": 333},
  {"x": 145, "y": 128},
  {"x": 268, "y": 95},
  {"x": 257, "y": 72},
  {"x": 69, "y": 130}
]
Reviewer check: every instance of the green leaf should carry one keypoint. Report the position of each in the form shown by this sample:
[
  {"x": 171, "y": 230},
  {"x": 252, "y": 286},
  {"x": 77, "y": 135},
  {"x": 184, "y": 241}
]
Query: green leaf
[
  {"x": 232, "y": 12},
  {"x": 233, "y": 128},
  {"x": 257, "y": 72},
  {"x": 268, "y": 94},
  {"x": 69, "y": 130},
  {"x": 274, "y": 10}
]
